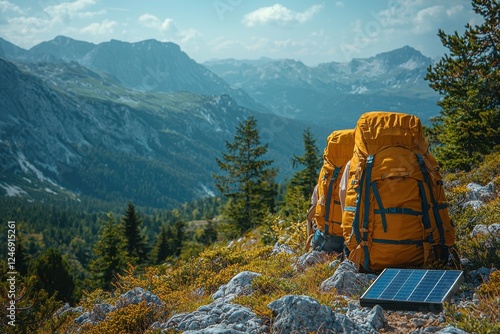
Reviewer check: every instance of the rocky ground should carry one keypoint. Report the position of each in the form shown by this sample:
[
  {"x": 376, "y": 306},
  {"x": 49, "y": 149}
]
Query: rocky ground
[
  {"x": 300, "y": 313},
  {"x": 293, "y": 313}
]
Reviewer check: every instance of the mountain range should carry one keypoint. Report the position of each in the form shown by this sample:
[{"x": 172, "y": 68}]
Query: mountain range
[
  {"x": 143, "y": 122},
  {"x": 336, "y": 93}
]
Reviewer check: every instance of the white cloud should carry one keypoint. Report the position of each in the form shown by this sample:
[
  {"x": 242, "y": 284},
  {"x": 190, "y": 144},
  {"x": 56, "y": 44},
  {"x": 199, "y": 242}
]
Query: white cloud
[
  {"x": 28, "y": 26},
  {"x": 168, "y": 26},
  {"x": 287, "y": 43},
  {"x": 149, "y": 21},
  {"x": 190, "y": 36},
  {"x": 152, "y": 22},
  {"x": 98, "y": 29},
  {"x": 423, "y": 21},
  {"x": 418, "y": 16},
  {"x": 454, "y": 10},
  {"x": 6, "y": 6},
  {"x": 68, "y": 10},
  {"x": 279, "y": 15},
  {"x": 189, "y": 39}
]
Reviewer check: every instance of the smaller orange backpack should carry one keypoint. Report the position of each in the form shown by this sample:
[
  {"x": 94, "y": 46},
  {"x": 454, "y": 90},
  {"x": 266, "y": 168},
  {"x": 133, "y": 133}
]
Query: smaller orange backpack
[{"x": 328, "y": 217}]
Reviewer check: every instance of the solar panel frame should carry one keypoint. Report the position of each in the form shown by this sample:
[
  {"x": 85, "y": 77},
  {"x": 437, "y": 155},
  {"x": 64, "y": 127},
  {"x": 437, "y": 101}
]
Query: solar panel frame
[{"x": 413, "y": 289}]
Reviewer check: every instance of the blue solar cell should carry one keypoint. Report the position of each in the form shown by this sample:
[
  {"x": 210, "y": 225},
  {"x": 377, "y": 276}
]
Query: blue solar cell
[
  {"x": 414, "y": 289},
  {"x": 413, "y": 280}
]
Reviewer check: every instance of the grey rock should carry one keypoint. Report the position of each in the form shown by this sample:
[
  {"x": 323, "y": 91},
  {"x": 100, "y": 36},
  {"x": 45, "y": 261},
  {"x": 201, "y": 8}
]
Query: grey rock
[
  {"x": 480, "y": 275},
  {"x": 217, "y": 317},
  {"x": 303, "y": 314},
  {"x": 476, "y": 192},
  {"x": 369, "y": 318},
  {"x": 491, "y": 232},
  {"x": 83, "y": 318},
  {"x": 309, "y": 259},
  {"x": 238, "y": 285},
  {"x": 346, "y": 280},
  {"x": 158, "y": 325},
  {"x": 474, "y": 204},
  {"x": 282, "y": 248},
  {"x": 417, "y": 322},
  {"x": 481, "y": 229},
  {"x": 431, "y": 329},
  {"x": 68, "y": 309},
  {"x": 451, "y": 330},
  {"x": 100, "y": 311},
  {"x": 137, "y": 295},
  {"x": 96, "y": 315},
  {"x": 334, "y": 264}
]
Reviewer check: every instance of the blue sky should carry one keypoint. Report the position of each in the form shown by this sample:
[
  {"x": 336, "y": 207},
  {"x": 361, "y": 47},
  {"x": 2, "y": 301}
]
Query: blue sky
[{"x": 311, "y": 31}]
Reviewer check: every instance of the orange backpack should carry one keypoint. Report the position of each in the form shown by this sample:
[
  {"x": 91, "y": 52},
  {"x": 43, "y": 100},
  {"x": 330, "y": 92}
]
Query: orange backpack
[
  {"x": 395, "y": 213},
  {"x": 328, "y": 216}
]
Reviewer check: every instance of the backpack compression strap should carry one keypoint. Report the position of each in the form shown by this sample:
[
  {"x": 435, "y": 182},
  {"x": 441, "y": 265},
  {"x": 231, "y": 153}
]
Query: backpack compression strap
[
  {"x": 444, "y": 251},
  {"x": 329, "y": 197},
  {"x": 363, "y": 196}
]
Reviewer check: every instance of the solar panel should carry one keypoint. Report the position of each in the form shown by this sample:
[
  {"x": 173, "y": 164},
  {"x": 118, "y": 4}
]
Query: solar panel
[{"x": 413, "y": 289}]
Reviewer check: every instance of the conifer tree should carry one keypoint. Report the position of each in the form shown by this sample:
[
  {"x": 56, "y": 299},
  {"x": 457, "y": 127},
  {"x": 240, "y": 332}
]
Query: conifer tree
[
  {"x": 22, "y": 256},
  {"x": 110, "y": 252},
  {"x": 178, "y": 240},
  {"x": 306, "y": 178},
  {"x": 163, "y": 246},
  {"x": 247, "y": 179},
  {"x": 209, "y": 234},
  {"x": 136, "y": 241},
  {"x": 53, "y": 275},
  {"x": 469, "y": 80}
]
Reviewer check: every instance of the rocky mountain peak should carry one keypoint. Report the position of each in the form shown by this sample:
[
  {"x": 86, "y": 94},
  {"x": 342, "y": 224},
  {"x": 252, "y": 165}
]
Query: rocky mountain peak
[
  {"x": 61, "y": 47},
  {"x": 402, "y": 56}
]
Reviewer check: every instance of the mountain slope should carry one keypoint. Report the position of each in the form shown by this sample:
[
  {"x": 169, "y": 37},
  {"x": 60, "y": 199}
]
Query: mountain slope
[
  {"x": 148, "y": 65},
  {"x": 11, "y": 51},
  {"x": 78, "y": 133}
]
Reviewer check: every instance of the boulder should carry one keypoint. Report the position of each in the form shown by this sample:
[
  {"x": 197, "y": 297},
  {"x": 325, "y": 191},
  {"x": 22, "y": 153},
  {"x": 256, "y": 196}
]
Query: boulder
[
  {"x": 451, "y": 330},
  {"x": 137, "y": 295},
  {"x": 96, "y": 315},
  {"x": 373, "y": 318},
  {"x": 303, "y": 314},
  {"x": 347, "y": 281},
  {"x": 492, "y": 232},
  {"x": 282, "y": 248},
  {"x": 476, "y": 192},
  {"x": 309, "y": 259},
  {"x": 239, "y": 284},
  {"x": 217, "y": 317}
]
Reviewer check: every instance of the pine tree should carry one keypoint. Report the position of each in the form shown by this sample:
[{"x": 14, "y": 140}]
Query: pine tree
[
  {"x": 469, "y": 80},
  {"x": 136, "y": 241},
  {"x": 248, "y": 179},
  {"x": 306, "y": 178},
  {"x": 111, "y": 256},
  {"x": 53, "y": 275},
  {"x": 163, "y": 246},
  {"x": 209, "y": 234},
  {"x": 178, "y": 241},
  {"x": 22, "y": 256}
]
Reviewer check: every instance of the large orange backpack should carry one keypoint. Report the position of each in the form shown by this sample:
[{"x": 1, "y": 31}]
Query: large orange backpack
[
  {"x": 396, "y": 213},
  {"x": 328, "y": 216}
]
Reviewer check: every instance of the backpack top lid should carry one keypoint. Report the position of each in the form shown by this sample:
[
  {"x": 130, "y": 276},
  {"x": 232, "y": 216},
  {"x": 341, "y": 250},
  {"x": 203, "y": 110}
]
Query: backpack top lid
[
  {"x": 376, "y": 130},
  {"x": 339, "y": 147}
]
